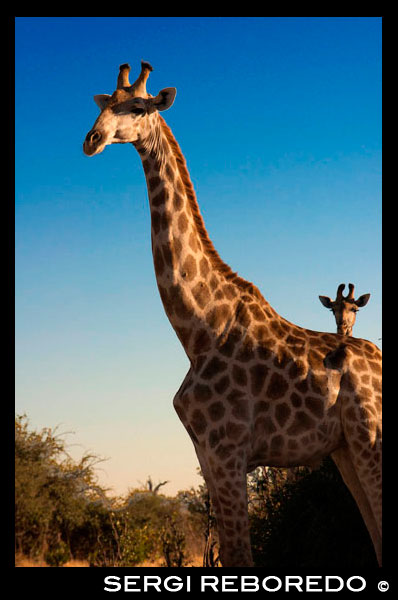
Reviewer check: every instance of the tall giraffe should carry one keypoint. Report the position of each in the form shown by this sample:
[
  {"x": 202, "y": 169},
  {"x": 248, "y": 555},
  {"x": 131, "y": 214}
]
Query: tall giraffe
[
  {"x": 345, "y": 308},
  {"x": 260, "y": 390}
]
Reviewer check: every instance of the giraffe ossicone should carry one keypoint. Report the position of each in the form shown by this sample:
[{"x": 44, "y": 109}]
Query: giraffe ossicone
[{"x": 260, "y": 390}]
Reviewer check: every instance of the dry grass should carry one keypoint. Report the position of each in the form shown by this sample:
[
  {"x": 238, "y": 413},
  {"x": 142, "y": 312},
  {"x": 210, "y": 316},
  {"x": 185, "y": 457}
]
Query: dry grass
[
  {"x": 23, "y": 561},
  {"x": 196, "y": 561}
]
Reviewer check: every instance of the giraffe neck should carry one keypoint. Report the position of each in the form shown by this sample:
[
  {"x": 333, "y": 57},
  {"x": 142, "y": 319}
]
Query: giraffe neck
[{"x": 200, "y": 293}]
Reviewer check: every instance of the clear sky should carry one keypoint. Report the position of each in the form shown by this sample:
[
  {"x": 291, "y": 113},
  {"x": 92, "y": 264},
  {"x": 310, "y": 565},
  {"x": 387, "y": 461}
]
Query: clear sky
[{"x": 279, "y": 119}]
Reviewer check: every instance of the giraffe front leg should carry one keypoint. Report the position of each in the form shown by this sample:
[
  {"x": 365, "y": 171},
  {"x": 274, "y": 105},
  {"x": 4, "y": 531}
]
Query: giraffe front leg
[{"x": 228, "y": 493}]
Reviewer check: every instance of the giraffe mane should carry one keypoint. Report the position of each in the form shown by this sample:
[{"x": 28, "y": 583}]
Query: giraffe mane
[{"x": 217, "y": 262}]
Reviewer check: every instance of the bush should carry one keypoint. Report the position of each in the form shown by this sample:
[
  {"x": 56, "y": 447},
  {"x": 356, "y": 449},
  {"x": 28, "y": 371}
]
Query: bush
[
  {"x": 58, "y": 555},
  {"x": 312, "y": 522}
]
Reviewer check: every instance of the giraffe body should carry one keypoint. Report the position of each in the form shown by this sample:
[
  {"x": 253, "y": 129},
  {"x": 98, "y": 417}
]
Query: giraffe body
[{"x": 260, "y": 390}]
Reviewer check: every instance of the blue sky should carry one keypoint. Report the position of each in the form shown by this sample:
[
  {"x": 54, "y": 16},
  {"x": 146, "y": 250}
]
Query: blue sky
[{"x": 279, "y": 119}]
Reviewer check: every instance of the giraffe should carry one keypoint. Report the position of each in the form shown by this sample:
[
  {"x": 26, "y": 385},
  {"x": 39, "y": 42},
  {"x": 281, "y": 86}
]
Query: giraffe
[
  {"x": 260, "y": 390},
  {"x": 345, "y": 308}
]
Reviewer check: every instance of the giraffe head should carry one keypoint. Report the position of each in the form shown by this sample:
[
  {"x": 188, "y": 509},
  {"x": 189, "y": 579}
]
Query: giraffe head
[
  {"x": 126, "y": 115},
  {"x": 345, "y": 308}
]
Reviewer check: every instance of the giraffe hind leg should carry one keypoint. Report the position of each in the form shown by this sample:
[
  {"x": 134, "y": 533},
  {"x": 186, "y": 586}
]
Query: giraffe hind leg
[{"x": 345, "y": 465}]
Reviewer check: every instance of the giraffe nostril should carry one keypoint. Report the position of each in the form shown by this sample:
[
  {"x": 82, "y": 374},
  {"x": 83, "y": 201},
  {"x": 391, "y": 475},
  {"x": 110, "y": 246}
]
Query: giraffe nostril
[{"x": 95, "y": 137}]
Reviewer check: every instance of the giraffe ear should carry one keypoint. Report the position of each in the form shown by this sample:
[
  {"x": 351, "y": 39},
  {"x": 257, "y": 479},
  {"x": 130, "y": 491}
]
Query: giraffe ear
[
  {"x": 362, "y": 300},
  {"x": 163, "y": 100},
  {"x": 326, "y": 301},
  {"x": 101, "y": 100}
]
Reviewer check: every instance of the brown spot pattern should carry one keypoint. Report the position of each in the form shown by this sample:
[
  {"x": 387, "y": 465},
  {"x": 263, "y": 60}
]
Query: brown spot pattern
[
  {"x": 216, "y": 411},
  {"x": 189, "y": 268},
  {"x": 229, "y": 344},
  {"x": 301, "y": 423},
  {"x": 182, "y": 223},
  {"x": 179, "y": 302},
  {"x": 277, "y": 386},
  {"x": 218, "y": 315},
  {"x": 158, "y": 262},
  {"x": 201, "y": 294},
  {"x": 202, "y": 342},
  {"x": 204, "y": 266},
  {"x": 239, "y": 375},
  {"x": 282, "y": 413},
  {"x": 155, "y": 221},
  {"x": 222, "y": 385},
  {"x": 198, "y": 422},
  {"x": 213, "y": 367},
  {"x": 258, "y": 375},
  {"x": 315, "y": 405},
  {"x": 153, "y": 183},
  {"x": 202, "y": 392}
]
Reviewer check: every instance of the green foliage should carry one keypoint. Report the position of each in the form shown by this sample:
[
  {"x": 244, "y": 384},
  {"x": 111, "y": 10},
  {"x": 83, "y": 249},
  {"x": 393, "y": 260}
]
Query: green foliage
[
  {"x": 52, "y": 492},
  {"x": 136, "y": 543},
  {"x": 58, "y": 555},
  {"x": 62, "y": 512},
  {"x": 310, "y": 522},
  {"x": 138, "y": 525}
]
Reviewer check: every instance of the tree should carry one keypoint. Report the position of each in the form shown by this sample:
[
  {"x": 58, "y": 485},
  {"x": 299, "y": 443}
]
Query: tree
[{"x": 52, "y": 493}]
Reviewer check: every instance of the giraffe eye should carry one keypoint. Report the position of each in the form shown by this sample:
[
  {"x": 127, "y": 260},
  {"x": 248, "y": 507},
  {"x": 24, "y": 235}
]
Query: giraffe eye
[{"x": 137, "y": 110}]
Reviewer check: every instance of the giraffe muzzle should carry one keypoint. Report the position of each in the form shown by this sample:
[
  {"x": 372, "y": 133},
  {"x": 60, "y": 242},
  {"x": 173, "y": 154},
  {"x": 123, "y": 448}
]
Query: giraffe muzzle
[
  {"x": 92, "y": 142},
  {"x": 344, "y": 329}
]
